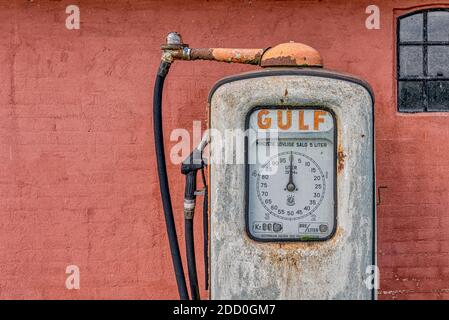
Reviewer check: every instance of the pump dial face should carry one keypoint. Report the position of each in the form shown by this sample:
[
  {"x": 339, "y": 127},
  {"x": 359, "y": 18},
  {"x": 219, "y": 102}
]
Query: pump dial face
[
  {"x": 296, "y": 191},
  {"x": 291, "y": 156}
]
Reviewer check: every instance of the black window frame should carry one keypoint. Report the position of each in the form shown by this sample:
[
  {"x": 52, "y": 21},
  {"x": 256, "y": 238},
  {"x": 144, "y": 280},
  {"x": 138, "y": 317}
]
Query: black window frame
[{"x": 425, "y": 43}]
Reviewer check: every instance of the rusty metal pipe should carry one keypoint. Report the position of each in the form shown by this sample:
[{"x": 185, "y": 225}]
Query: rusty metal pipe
[
  {"x": 230, "y": 55},
  {"x": 246, "y": 56},
  {"x": 175, "y": 49}
]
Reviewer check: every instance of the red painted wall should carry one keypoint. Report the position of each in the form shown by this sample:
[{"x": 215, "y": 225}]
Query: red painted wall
[{"x": 77, "y": 169}]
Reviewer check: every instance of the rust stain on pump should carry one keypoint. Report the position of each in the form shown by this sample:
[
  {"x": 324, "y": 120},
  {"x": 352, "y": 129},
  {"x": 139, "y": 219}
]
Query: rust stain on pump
[
  {"x": 291, "y": 54},
  {"x": 290, "y": 253},
  {"x": 341, "y": 160},
  {"x": 341, "y": 155}
]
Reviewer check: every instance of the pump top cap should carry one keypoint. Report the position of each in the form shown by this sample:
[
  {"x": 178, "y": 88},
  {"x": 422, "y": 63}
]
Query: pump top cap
[{"x": 291, "y": 54}]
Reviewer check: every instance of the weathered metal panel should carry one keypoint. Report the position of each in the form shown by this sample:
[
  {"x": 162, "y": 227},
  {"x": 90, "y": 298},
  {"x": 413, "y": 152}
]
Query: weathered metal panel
[{"x": 335, "y": 269}]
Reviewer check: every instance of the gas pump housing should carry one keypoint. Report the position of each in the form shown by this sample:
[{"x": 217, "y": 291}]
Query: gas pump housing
[{"x": 295, "y": 266}]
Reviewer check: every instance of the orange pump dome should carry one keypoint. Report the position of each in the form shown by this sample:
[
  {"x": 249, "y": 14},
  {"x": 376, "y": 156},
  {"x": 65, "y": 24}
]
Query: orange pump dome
[{"x": 291, "y": 54}]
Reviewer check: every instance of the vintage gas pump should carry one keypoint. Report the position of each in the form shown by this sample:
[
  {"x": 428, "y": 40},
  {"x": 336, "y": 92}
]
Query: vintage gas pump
[{"x": 295, "y": 219}]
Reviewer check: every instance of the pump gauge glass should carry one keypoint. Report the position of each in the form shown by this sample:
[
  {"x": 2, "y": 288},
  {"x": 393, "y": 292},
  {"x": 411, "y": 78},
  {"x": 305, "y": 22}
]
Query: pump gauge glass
[{"x": 290, "y": 174}]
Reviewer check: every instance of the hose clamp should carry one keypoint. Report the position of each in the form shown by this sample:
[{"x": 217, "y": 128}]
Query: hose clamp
[
  {"x": 189, "y": 208},
  {"x": 186, "y": 53}
]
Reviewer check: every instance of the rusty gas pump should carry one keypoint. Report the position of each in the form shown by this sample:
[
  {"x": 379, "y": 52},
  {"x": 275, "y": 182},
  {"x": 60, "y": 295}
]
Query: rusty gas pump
[{"x": 295, "y": 219}]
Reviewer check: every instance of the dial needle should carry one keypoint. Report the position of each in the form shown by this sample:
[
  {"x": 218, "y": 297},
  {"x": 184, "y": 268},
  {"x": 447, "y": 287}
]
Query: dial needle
[{"x": 291, "y": 186}]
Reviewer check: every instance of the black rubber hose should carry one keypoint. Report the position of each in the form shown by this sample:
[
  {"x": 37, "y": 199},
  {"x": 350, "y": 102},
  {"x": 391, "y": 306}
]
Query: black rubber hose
[
  {"x": 191, "y": 260},
  {"x": 163, "y": 181},
  {"x": 189, "y": 195},
  {"x": 205, "y": 230}
]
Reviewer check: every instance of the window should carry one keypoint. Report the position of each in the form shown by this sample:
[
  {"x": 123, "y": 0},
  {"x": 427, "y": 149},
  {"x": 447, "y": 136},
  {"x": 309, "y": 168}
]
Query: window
[{"x": 423, "y": 61}]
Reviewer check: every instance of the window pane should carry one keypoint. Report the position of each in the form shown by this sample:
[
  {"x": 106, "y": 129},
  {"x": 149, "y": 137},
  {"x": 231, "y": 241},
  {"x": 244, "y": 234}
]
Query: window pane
[
  {"x": 411, "y": 61},
  {"x": 438, "y": 95},
  {"x": 438, "y": 61},
  {"x": 411, "y": 28},
  {"x": 438, "y": 26},
  {"x": 411, "y": 96}
]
